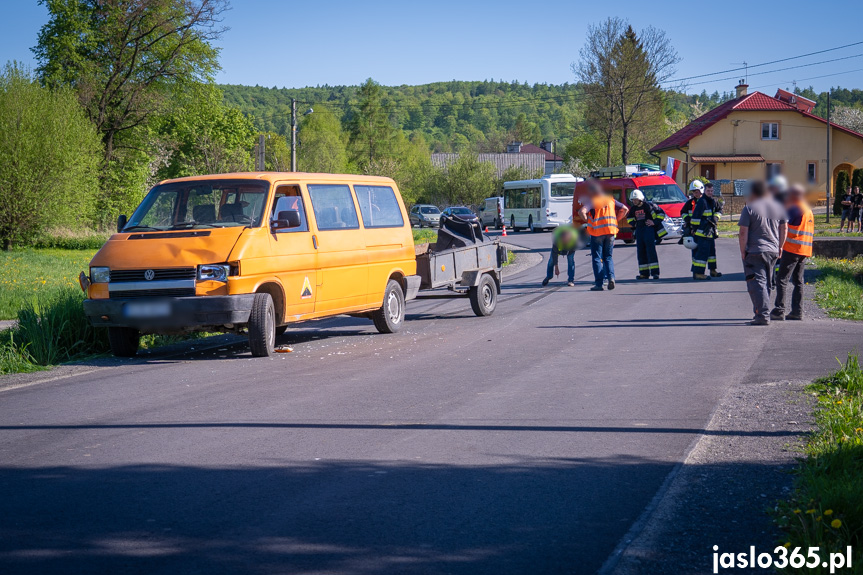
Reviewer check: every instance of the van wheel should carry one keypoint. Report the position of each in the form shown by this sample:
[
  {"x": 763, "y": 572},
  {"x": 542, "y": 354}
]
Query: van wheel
[
  {"x": 629, "y": 241},
  {"x": 262, "y": 326},
  {"x": 391, "y": 315},
  {"x": 124, "y": 341},
  {"x": 497, "y": 224},
  {"x": 483, "y": 297}
]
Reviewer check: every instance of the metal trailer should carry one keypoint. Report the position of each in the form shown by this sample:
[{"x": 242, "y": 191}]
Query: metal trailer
[{"x": 472, "y": 270}]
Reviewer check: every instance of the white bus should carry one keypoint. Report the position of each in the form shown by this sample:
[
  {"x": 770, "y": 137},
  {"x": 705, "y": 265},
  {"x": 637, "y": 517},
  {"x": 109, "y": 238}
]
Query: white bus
[{"x": 540, "y": 204}]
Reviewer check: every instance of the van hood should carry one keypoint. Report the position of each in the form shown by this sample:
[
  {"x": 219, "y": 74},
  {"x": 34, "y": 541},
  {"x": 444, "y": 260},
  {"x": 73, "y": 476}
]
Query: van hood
[{"x": 169, "y": 249}]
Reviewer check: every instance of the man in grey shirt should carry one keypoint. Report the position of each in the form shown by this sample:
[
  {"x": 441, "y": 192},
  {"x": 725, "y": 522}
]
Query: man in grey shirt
[{"x": 763, "y": 230}]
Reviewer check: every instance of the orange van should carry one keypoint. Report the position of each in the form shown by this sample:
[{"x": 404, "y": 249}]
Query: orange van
[{"x": 252, "y": 253}]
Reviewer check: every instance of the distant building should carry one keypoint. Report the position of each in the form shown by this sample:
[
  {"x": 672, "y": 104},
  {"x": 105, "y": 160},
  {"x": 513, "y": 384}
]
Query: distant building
[
  {"x": 755, "y": 136},
  {"x": 535, "y": 159}
]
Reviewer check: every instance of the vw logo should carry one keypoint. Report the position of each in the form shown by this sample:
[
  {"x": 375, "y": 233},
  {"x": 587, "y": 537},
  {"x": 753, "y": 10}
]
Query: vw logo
[{"x": 149, "y": 275}]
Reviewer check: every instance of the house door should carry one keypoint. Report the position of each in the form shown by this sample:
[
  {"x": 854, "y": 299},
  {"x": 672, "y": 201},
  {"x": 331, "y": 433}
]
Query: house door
[{"x": 708, "y": 171}]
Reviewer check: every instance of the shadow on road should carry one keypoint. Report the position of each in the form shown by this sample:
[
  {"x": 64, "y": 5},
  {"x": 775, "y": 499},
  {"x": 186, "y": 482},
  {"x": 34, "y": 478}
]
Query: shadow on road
[{"x": 328, "y": 517}]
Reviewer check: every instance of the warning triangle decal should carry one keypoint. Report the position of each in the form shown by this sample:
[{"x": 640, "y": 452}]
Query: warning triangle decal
[{"x": 307, "y": 289}]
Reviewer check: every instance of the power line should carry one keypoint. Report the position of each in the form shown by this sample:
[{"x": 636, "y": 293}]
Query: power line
[
  {"x": 765, "y": 63},
  {"x": 810, "y": 78},
  {"x": 779, "y": 69}
]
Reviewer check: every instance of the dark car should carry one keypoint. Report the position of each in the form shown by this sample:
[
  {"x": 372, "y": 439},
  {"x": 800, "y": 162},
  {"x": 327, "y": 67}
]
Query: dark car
[{"x": 461, "y": 212}]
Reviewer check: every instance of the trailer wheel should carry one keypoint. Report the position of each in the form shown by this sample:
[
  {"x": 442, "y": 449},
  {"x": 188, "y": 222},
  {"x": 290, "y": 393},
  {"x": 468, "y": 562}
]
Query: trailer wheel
[
  {"x": 262, "y": 326},
  {"x": 483, "y": 297},
  {"x": 124, "y": 341},
  {"x": 391, "y": 315}
]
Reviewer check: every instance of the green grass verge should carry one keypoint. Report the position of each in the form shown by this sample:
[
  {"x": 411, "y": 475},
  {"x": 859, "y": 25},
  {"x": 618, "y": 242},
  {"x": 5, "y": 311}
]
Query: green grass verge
[
  {"x": 28, "y": 273},
  {"x": 839, "y": 288},
  {"x": 424, "y": 235},
  {"x": 826, "y": 508}
]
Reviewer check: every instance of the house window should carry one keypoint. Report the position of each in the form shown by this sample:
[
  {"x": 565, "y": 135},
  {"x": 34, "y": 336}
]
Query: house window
[
  {"x": 769, "y": 130},
  {"x": 812, "y": 172},
  {"x": 773, "y": 169}
]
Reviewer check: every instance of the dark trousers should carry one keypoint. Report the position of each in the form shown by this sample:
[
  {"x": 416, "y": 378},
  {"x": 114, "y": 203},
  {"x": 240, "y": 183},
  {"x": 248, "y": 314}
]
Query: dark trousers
[
  {"x": 645, "y": 243},
  {"x": 570, "y": 265},
  {"x": 601, "y": 248},
  {"x": 758, "y": 270},
  {"x": 791, "y": 268},
  {"x": 704, "y": 255}
]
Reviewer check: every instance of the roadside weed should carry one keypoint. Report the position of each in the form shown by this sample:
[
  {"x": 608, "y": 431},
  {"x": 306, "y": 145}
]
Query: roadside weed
[{"x": 839, "y": 288}]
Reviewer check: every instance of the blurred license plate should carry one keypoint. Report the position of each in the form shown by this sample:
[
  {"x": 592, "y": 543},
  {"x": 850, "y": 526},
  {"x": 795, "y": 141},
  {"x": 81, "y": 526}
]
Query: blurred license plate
[{"x": 147, "y": 309}]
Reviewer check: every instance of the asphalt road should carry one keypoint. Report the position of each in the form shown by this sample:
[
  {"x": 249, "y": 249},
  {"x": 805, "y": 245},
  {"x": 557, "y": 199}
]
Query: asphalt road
[{"x": 527, "y": 442}]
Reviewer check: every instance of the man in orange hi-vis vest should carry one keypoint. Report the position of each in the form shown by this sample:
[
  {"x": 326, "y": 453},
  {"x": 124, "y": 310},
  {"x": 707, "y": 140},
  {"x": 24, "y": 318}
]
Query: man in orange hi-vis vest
[
  {"x": 601, "y": 212},
  {"x": 797, "y": 247}
]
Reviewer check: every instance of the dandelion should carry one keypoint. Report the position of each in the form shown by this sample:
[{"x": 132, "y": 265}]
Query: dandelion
[
  {"x": 797, "y": 512},
  {"x": 810, "y": 511},
  {"x": 836, "y": 524}
]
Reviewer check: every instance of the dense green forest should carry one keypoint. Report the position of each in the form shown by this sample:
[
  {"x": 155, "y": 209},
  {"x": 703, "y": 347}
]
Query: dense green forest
[{"x": 456, "y": 116}]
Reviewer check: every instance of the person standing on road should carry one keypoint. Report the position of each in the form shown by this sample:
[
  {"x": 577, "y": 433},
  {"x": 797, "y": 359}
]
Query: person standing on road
[
  {"x": 564, "y": 243},
  {"x": 763, "y": 229},
  {"x": 696, "y": 188},
  {"x": 856, "y": 210},
  {"x": 645, "y": 218},
  {"x": 602, "y": 212},
  {"x": 703, "y": 226},
  {"x": 795, "y": 250},
  {"x": 847, "y": 201}
]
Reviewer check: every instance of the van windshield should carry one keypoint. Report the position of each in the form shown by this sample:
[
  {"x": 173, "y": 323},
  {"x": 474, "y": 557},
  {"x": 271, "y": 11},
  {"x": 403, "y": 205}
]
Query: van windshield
[
  {"x": 201, "y": 204},
  {"x": 663, "y": 194}
]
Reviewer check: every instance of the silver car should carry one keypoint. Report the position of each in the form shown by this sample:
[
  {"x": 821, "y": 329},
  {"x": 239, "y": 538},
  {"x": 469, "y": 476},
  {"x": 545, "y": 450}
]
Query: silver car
[{"x": 425, "y": 216}]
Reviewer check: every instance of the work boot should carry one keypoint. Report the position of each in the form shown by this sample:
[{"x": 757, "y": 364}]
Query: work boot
[
  {"x": 545, "y": 282},
  {"x": 715, "y": 274},
  {"x": 777, "y": 315},
  {"x": 655, "y": 276},
  {"x": 641, "y": 277},
  {"x": 611, "y": 284},
  {"x": 596, "y": 288},
  {"x": 759, "y": 320},
  {"x": 794, "y": 316},
  {"x": 700, "y": 277}
]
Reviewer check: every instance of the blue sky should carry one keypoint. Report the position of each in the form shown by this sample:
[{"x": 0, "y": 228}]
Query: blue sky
[{"x": 281, "y": 43}]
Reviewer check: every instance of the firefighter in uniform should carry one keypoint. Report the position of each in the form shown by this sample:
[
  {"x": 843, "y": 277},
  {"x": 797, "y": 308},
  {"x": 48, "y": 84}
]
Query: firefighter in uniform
[
  {"x": 696, "y": 188},
  {"x": 703, "y": 227},
  {"x": 564, "y": 243},
  {"x": 797, "y": 247},
  {"x": 646, "y": 218}
]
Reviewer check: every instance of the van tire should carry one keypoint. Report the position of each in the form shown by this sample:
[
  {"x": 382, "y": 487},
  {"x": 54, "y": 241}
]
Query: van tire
[
  {"x": 497, "y": 224},
  {"x": 483, "y": 297},
  {"x": 262, "y": 326},
  {"x": 124, "y": 341},
  {"x": 391, "y": 315}
]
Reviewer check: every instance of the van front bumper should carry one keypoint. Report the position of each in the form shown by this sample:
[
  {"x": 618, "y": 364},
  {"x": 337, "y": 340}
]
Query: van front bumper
[{"x": 170, "y": 314}]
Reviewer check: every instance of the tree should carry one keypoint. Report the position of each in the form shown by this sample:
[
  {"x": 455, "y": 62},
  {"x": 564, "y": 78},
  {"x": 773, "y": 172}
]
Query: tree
[
  {"x": 843, "y": 182},
  {"x": 857, "y": 178},
  {"x": 466, "y": 181},
  {"x": 623, "y": 71},
  {"x": 127, "y": 60},
  {"x": 323, "y": 144},
  {"x": 205, "y": 136},
  {"x": 371, "y": 133},
  {"x": 49, "y": 154},
  {"x": 851, "y": 118}
]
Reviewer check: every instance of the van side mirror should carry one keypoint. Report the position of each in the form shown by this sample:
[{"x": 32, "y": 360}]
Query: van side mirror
[
  {"x": 121, "y": 222},
  {"x": 286, "y": 220}
]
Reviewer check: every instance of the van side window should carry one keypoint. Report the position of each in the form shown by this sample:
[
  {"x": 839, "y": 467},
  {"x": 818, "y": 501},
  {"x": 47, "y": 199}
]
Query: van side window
[
  {"x": 288, "y": 199},
  {"x": 333, "y": 205},
  {"x": 379, "y": 207}
]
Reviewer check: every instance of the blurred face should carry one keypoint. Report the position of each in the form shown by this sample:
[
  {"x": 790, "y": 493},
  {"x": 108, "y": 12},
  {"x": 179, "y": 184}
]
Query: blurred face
[
  {"x": 696, "y": 192},
  {"x": 709, "y": 191},
  {"x": 594, "y": 189},
  {"x": 636, "y": 202}
]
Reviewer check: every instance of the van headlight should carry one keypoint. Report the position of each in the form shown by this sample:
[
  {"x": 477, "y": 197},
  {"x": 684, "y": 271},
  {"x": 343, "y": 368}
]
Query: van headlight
[
  {"x": 100, "y": 275},
  {"x": 215, "y": 273}
]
